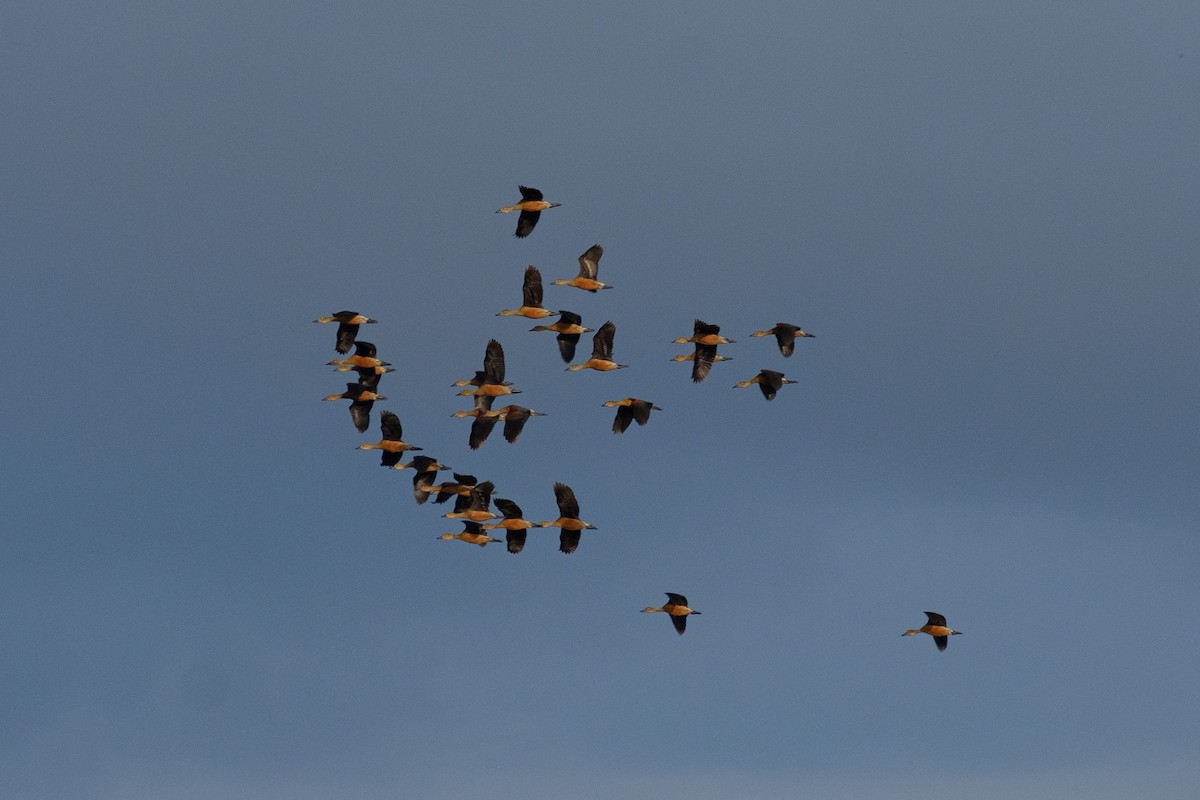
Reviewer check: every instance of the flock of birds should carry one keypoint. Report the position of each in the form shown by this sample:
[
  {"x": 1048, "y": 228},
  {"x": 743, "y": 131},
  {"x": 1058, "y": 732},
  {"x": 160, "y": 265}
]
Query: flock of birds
[{"x": 473, "y": 498}]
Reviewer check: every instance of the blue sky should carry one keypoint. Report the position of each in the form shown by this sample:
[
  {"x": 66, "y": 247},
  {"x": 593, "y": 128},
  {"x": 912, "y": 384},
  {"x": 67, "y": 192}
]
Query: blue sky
[{"x": 987, "y": 215}]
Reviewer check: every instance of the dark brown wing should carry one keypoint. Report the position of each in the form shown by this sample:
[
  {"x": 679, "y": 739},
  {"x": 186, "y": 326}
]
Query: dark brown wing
[
  {"x": 462, "y": 502},
  {"x": 481, "y": 495},
  {"x": 364, "y": 349},
  {"x": 701, "y": 328},
  {"x": 623, "y": 420},
  {"x": 602, "y": 342},
  {"x": 641, "y": 411},
  {"x": 676, "y": 599},
  {"x": 515, "y": 540},
  {"x": 481, "y": 429},
  {"x": 785, "y": 335},
  {"x": 936, "y": 619},
  {"x": 568, "y": 506},
  {"x": 368, "y": 377},
  {"x": 566, "y": 346},
  {"x": 568, "y": 541},
  {"x": 422, "y": 466},
  {"x": 387, "y": 459},
  {"x": 493, "y": 363},
  {"x": 531, "y": 290},
  {"x": 702, "y": 361},
  {"x": 508, "y": 508},
  {"x": 941, "y": 641},
  {"x": 525, "y": 223},
  {"x": 589, "y": 262},
  {"x": 514, "y": 423},
  {"x": 770, "y": 382},
  {"x": 461, "y": 480},
  {"x": 422, "y": 478},
  {"x": 360, "y": 413},
  {"x": 345, "y": 337},
  {"x": 389, "y": 424},
  {"x": 680, "y": 623},
  {"x": 528, "y": 193}
]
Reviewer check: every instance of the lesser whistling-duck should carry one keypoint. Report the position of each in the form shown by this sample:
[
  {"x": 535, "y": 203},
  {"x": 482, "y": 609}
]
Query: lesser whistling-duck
[
  {"x": 677, "y": 607},
  {"x": 692, "y": 357},
  {"x": 768, "y": 380},
  {"x": 369, "y": 376},
  {"x": 568, "y": 327},
  {"x": 364, "y": 356},
  {"x": 474, "y": 505},
  {"x": 348, "y": 322},
  {"x": 515, "y": 418},
  {"x": 630, "y": 409},
  {"x": 472, "y": 533},
  {"x": 602, "y": 345},
  {"x": 589, "y": 266},
  {"x": 513, "y": 523},
  {"x": 786, "y": 336},
  {"x": 461, "y": 485},
  {"x": 479, "y": 379},
  {"x": 493, "y": 383},
  {"x": 568, "y": 523},
  {"x": 531, "y": 298},
  {"x": 704, "y": 333},
  {"x": 392, "y": 442},
  {"x": 703, "y": 357},
  {"x": 364, "y": 373},
  {"x": 531, "y": 207},
  {"x": 485, "y": 420},
  {"x": 361, "y": 400},
  {"x": 936, "y": 627},
  {"x": 426, "y": 472},
  {"x": 705, "y": 337}
]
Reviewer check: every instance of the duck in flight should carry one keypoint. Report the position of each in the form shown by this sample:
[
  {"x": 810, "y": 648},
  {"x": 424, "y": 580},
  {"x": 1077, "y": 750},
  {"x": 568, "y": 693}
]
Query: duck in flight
[
  {"x": 361, "y": 400},
  {"x": 493, "y": 384},
  {"x": 514, "y": 524},
  {"x": 589, "y": 267},
  {"x": 348, "y": 322},
  {"x": 461, "y": 485},
  {"x": 569, "y": 328},
  {"x": 514, "y": 418},
  {"x": 768, "y": 380},
  {"x": 706, "y": 337},
  {"x": 364, "y": 356},
  {"x": 426, "y": 472},
  {"x": 936, "y": 627},
  {"x": 629, "y": 410},
  {"x": 531, "y": 298},
  {"x": 531, "y": 207},
  {"x": 569, "y": 524},
  {"x": 392, "y": 443},
  {"x": 474, "y": 505},
  {"x": 785, "y": 336},
  {"x": 602, "y": 345},
  {"x": 677, "y": 607},
  {"x": 484, "y": 420},
  {"x": 472, "y": 533}
]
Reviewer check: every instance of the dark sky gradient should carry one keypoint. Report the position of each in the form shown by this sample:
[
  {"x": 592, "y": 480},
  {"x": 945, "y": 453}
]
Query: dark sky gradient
[{"x": 987, "y": 215}]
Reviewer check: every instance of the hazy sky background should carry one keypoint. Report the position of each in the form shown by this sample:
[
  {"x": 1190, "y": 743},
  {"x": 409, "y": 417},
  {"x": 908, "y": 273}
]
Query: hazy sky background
[{"x": 987, "y": 213}]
